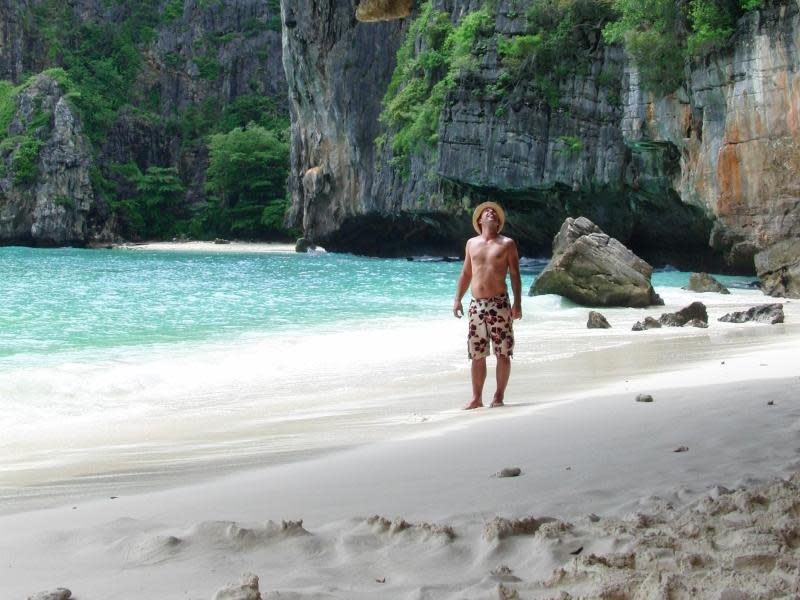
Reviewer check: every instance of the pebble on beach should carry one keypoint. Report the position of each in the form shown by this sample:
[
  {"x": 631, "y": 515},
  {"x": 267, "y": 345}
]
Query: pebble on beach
[
  {"x": 57, "y": 594},
  {"x": 509, "y": 472}
]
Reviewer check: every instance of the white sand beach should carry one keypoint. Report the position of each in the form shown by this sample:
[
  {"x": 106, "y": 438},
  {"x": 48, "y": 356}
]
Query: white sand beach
[
  {"x": 197, "y": 246},
  {"x": 694, "y": 495}
]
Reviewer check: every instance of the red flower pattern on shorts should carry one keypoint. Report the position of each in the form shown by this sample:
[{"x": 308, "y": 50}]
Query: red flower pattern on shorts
[{"x": 490, "y": 319}]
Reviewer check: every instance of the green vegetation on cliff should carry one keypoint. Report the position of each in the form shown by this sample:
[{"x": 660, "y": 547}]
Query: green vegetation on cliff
[
  {"x": 661, "y": 34},
  {"x": 111, "y": 69},
  {"x": 416, "y": 93},
  {"x": 559, "y": 39},
  {"x": 247, "y": 175}
]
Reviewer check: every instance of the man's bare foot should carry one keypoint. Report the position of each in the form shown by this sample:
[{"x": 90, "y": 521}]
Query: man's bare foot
[
  {"x": 476, "y": 403},
  {"x": 497, "y": 401}
]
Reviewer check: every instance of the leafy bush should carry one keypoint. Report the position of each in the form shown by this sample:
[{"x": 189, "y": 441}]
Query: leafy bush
[
  {"x": 661, "y": 34},
  {"x": 246, "y": 178},
  {"x": 25, "y": 160}
]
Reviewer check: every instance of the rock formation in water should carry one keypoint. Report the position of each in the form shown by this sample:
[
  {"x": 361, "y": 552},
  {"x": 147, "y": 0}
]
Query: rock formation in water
[{"x": 594, "y": 269}]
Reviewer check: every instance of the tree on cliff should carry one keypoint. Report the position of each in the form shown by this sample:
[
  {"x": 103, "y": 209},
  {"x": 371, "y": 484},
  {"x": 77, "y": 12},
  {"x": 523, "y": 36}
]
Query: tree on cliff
[{"x": 246, "y": 178}]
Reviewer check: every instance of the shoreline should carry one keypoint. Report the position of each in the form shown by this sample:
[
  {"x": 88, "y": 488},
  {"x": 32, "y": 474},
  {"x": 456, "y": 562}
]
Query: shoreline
[
  {"x": 599, "y": 471},
  {"x": 210, "y": 246}
]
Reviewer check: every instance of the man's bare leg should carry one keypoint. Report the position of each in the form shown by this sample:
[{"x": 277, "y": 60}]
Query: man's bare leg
[
  {"x": 503, "y": 373},
  {"x": 478, "y": 369}
]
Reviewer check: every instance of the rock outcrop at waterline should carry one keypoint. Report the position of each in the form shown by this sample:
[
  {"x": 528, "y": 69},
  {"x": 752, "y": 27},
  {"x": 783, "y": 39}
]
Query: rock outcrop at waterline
[
  {"x": 383, "y": 10},
  {"x": 778, "y": 269},
  {"x": 593, "y": 269}
]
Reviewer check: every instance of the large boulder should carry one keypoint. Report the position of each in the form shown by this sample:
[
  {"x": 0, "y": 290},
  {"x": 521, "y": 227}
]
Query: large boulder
[
  {"x": 778, "y": 269},
  {"x": 703, "y": 282},
  {"x": 594, "y": 269},
  {"x": 383, "y": 10}
]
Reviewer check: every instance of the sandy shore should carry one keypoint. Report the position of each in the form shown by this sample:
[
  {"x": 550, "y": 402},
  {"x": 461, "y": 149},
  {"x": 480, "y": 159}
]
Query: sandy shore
[
  {"x": 426, "y": 517},
  {"x": 694, "y": 495},
  {"x": 232, "y": 246}
]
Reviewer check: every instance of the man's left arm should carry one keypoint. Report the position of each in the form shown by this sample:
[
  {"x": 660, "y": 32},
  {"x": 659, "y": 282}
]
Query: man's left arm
[{"x": 516, "y": 282}]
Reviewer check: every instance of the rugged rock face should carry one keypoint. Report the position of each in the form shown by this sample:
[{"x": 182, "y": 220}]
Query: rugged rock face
[
  {"x": 202, "y": 59},
  {"x": 337, "y": 77},
  {"x": 778, "y": 268},
  {"x": 20, "y": 52},
  {"x": 655, "y": 173},
  {"x": 737, "y": 131},
  {"x": 45, "y": 191}
]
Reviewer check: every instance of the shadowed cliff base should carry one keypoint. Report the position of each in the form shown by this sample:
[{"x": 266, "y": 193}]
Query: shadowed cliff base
[{"x": 663, "y": 234}]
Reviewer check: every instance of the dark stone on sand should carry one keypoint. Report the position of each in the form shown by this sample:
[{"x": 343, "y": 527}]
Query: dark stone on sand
[
  {"x": 648, "y": 323},
  {"x": 778, "y": 268},
  {"x": 695, "y": 311},
  {"x": 703, "y": 282},
  {"x": 597, "y": 321},
  {"x": 764, "y": 313},
  {"x": 510, "y": 472},
  {"x": 644, "y": 398},
  {"x": 302, "y": 245},
  {"x": 593, "y": 269},
  {"x": 56, "y": 594}
]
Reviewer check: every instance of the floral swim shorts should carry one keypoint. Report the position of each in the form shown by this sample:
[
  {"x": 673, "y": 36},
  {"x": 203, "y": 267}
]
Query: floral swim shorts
[{"x": 490, "y": 319}]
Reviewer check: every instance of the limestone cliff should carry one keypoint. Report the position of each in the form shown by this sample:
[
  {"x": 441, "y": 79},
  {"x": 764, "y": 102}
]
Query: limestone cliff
[
  {"x": 737, "y": 132},
  {"x": 708, "y": 170},
  {"x": 45, "y": 189},
  {"x": 198, "y": 58}
]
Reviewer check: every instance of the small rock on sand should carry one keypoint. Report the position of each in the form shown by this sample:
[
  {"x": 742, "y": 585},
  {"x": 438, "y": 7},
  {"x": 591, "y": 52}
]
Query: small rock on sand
[
  {"x": 246, "y": 589},
  {"x": 510, "y": 472},
  {"x": 57, "y": 594},
  {"x": 647, "y": 323},
  {"x": 644, "y": 398},
  {"x": 597, "y": 321}
]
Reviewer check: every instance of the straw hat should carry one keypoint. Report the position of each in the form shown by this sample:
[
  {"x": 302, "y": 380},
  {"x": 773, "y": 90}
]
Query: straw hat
[{"x": 476, "y": 215}]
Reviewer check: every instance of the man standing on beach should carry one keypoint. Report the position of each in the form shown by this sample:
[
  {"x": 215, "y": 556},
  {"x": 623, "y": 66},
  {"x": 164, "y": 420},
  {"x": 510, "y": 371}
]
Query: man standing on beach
[{"x": 488, "y": 258}]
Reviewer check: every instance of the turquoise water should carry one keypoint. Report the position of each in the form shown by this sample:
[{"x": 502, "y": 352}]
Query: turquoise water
[
  {"x": 68, "y": 300},
  {"x": 71, "y": 299},
  {"x": 126, "y": 365}
]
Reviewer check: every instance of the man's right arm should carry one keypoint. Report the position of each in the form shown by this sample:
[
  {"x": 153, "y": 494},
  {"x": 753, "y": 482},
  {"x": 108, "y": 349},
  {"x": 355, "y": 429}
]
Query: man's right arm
[{"x": 463, "y": 283}]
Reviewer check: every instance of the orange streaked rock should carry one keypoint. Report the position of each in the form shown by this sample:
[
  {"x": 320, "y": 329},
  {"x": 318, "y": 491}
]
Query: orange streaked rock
[{"x": 383, "y": 10}]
